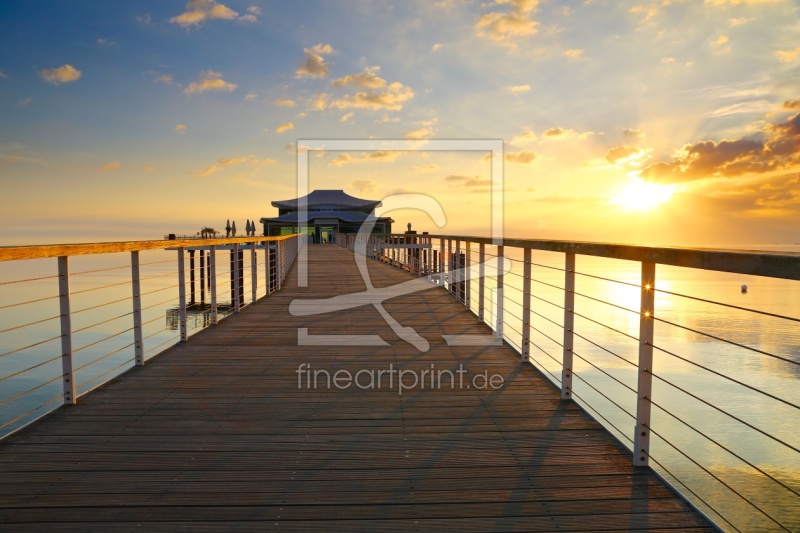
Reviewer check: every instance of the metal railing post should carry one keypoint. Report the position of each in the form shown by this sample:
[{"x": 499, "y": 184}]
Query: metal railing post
[
  {"x": 467, "y": 274},
  {"x": 641, "y": 440},
  {"x": 212, "y": 283},
  {"x": 236, "y": 278},
  {"x": 457, "y": 275},
  {"x": 481, "y": 279},
  {"x": 278, "y": 260},
  {"x": 136, "y": 289},
  {"x": 499, "y": 315},
  {"x": 526, "y": 305},
  {"x": 442, "y": 262},
  {"x": 450, "y": 265},
  {"x": 253, "y": 272},
  {"x": 68, "y": 374},
  {"x": 182, "y": 293},
  {"x": 569, "y": 326},
  {"x": 267, "y": 284},
  {"x": 429, "y": 257}
]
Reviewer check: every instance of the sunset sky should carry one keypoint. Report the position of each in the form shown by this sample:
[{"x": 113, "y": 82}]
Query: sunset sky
[{"x": 652, "y": 122}]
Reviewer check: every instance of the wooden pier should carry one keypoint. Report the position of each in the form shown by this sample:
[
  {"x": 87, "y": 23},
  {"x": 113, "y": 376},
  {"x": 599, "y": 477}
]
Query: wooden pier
[{"x": 217, "y": 434}]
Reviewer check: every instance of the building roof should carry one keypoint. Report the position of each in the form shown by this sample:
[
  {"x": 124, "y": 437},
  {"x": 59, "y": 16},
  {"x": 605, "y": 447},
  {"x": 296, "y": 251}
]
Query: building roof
[
  {"x": 342, "y": 216},
  {"x": 329, "y": 198}
]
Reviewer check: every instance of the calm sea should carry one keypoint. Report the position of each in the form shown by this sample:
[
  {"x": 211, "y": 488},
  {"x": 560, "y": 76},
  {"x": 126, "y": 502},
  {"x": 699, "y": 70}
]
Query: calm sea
[{"x": 604, "y": 365}]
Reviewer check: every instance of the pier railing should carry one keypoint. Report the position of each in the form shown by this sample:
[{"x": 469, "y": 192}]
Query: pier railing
[
  {"x": 73, "y": 316},
  {"x": 700, "y": 386}
]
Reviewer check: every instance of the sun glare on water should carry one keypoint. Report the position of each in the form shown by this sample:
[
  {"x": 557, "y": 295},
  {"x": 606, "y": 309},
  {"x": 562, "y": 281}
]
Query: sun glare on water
[{"x": 640, "y": 195}]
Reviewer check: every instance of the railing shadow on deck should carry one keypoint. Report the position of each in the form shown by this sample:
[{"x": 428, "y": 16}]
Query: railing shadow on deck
[{"x": 696, "y": 399}]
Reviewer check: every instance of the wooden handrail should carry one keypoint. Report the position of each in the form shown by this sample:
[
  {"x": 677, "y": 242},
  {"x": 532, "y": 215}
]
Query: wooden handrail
[
  {"x": 783, "y": 265},
  {"x": 13, "y": 253}
]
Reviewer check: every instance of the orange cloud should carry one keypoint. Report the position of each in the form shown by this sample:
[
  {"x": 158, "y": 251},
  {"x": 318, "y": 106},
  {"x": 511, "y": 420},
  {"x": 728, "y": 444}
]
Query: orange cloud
[
  {"x": 523, "y": 157},
  {"x": 62, "y": 74},
  {"x": 379, "y": 155},
  {"x": 367, "y": 79},
  {"x": 780, "y": 149},
  {"x": 314, "y": 65},
  {"x": 198, "y": 12},
  {"x": 391, "y": 98},
  {"x": 506, "y": 26},
  {"x": 210, "y": 81}
]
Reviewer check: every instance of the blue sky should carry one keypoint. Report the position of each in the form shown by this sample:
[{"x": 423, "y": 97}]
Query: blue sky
[{"x": 657, "y": 122}]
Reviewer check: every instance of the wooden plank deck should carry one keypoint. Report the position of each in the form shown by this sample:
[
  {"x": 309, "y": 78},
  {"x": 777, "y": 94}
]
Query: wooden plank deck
[{"x": 215, "y": 434}]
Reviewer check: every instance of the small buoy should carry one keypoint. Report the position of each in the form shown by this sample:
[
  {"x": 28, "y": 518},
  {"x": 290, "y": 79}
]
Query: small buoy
[{"x": 744, "y": 288}]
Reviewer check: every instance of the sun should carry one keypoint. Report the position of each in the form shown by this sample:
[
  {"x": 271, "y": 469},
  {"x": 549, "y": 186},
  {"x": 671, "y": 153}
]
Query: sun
[{"x": 640, "y": 195}]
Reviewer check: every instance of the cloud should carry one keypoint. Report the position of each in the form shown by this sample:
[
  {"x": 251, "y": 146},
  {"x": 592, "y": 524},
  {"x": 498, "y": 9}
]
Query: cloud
[
  {"x": 250, "y": 96},
  {"x": 314, "y": 65},
  {"x": 25, "y": 101},
  {"x": 739, "y": 2},
  {"x": 346, "y": 117},
  {"x": 523, "y": 157},
  {"x": 425, "y": 132},
  {"x": 230, "y": 161},
  {"x": 318, "y": 102},
  {"x": 210, "y": 81},
  {"x": 763, "y": 197},
  {"x": 166, "y": 79},
  {"x": 632, "y": 132},
  {"x": 469, "y": 181},
  {"x": 197, "y": 12},
  {"x": 575, "y": 54},
  {"x": 505, "y": 27},
  {"x": 621, "y": 156},
  {"x": 524, "y": 137},
  {"x": 148, "y": 169},
  {"x": 720, "y": 45},
  {"x": 286, "y": 126},
  {"x": 519, "y": 88},
  {"x": 555, "y": 133},
  {"x": 180, "y": 128},
  {"x": 421, "y": 133},
  {"x": 756, "y": 106},
  {"x": 791, "y": 104},
  {"x": 145, "y": 20},
  {"x": 436, "y": 46},
  {"x": 787, "y": 56},
  {"x": 110, "y": 166},
  {"x": 3, "y": 75},
  {"x": 425, "y": 168},
  {"x": 780, "y": 149},
  {"x": 285, "y": 102},
  {"x": 363, "y": 186},
  {"x": 562, "y": 133},
  {"x": 379, "y": 155},
  {"x": 105, "y": 42},
  {"x": 646, "y": 12},
  {"x": 391, "y": 98},
  {"x": 367, "y": 79},
  {"x": 62, "y": 74}
]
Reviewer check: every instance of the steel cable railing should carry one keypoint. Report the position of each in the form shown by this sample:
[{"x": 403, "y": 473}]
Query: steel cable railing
[
  {"x": 594, "y": 328},
  {"x": 97, "y": 302}
]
